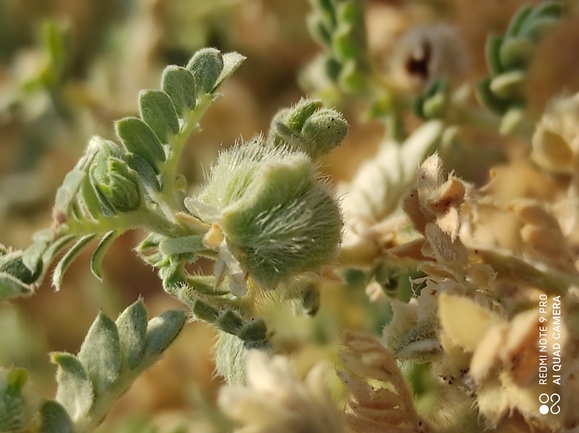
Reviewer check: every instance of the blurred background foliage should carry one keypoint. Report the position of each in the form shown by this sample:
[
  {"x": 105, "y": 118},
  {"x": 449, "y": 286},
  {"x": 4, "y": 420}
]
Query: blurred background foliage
[{"x": 68, "y": 68}]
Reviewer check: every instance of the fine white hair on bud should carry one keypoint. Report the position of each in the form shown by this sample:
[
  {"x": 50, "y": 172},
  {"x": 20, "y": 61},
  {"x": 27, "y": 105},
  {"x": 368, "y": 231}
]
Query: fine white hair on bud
[{"x": 279, "y": 217}]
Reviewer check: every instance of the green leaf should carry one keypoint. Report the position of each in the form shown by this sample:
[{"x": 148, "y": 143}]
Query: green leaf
[
  {"x": 179, "y": 84},
  {"x": 549, "y": 9},
  {"x": 512, "y": 119},
  {"x": 203, "y": 311},
  {"x": 54, "y": 418},
  {"x": 13, "y": 264},
  {"x": 517, "y": 21},
  {"x": 56, "y": 247},
  {"x": 206, "y": 65},
  {"x": 92, "y": 202},
  {"x": 181, "y": 245},
  {"x": 100, "y": 354},
  {"x": 32, "y": 256},
  {"x": 326, "y": 8},
  {"x": 492, "y": 53},
  {"x": 205, "y": 285},
  {"x": 158, "y": 112},
  {"x": 140, "y": 139},
  {"x": 68, "y": 258},
  {"x": 146, "y": 173},
  {"x": 132, "y": 328},
  {"x": 253, "y": 331},
  {"x": 100, "y": 251},
  {"x": 231, "y": 62},
  {"x": 75, "y": 390},
  {"x": 509, "y": 86},
  {"x": 344, "y": 46},
  {"x": 162, "y": 330},
  {"x": 14, "y": 413},
  {"x": 517, "y": 53},
  {"x": 229, "y": 322},
  {"x": 318, "y": 28},
  {"x": 488, "y": 98},
  {"x": 540, "y": 29},
  {"x": 66, "y": 193},
  {"x": 11, "y": 287}
]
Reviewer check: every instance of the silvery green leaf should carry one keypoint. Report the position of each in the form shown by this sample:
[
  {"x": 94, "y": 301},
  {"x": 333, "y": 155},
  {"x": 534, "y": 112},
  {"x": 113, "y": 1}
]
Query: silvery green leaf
[
  {"x": 179, "y": 84},
  {"x": 206, "y": 66},
  {"x": 343, "y": 44},
  {"x": 203, "y": 311},
  {"x": 517, "y": 21},
  {"x": 509, "y": 85},
  {"x": 11, "y": 287},
  {"x": 158, "y": 112},
  {"x": 185, "y": 244},
  {"x": 540, "y": 28},
  {"x": 92, "y": 204},
  {"x": 100, "y": 354},
  {"x": 231, "y": 358},
  {"x": 140, "y": 139},
  {"x": 205, "y": 285},
  {"x": 328, "y": 10},
  {"x": 488, "y": 98},
  {"x": 54, "y": 418},
  {"x": 14, "y": 416},
  {"x": 68, "y": 258},
  {"x": 229, "y": 322},
  {"x": 319, "y": 29},
  {"x": 517, "y": 53},
  {"x": 75, "y": 390},
  {"x": 56, "y": 247},
  {"x": 145, "y": 171},
  {"x": 492, "y": 52},
  {"x": 162, "y": 330},
  {"x": 253, "y": 331},
  {"x": 132, "y": 328},
  {"x": 100, "y": 251},
  {"x": 32, "y": 256},
  {"x": 231, "y": 61},
  {"x": 13, "y": 264},
  {"x": 66, "y": 193}
]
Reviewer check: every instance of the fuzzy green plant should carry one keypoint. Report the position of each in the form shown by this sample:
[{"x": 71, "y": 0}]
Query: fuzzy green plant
[
  {"x": 265, "y": 215},
  {"x": 460, "y": 306}
]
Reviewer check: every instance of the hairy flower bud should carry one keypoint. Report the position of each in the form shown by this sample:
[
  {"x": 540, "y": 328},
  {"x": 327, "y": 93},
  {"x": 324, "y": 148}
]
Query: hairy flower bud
[
  {"x": 308, "y": 127},
  {"x": 279, "y": 219},
  {"x": 116, "y": 185}
]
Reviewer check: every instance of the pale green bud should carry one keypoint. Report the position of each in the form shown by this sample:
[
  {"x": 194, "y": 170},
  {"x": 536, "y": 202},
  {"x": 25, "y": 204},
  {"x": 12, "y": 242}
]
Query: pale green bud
[
  {"x": 117, "y": 186},
  {"x": 308, "y": 127},
  {"x": 286, "y": 223},
  {"x": 279, "y": 219},
  {"x": 206, "y": 66},
  {"x": 327, "y": 129}
]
